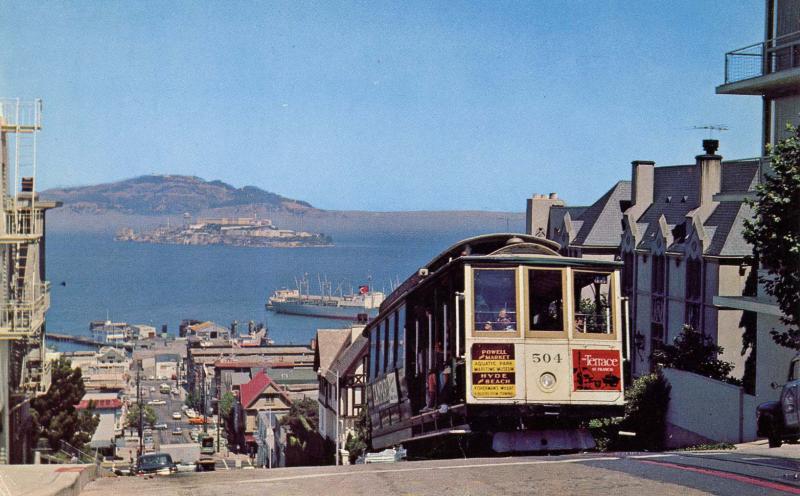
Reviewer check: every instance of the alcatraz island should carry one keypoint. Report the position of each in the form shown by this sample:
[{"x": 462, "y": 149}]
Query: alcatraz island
[{"x": 227, "y": 231}]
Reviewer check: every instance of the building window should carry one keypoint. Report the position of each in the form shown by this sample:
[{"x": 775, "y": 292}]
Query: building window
[
  {"x": 659, "y": 273},
  {"x": 546, "y": 300},
  {"x": 495, "y": 300},
  {"x": 694, "y": 299},
  {"x": 373, "y": 352},
  {"x": 656, "y": 340},
  {"x": 387, "y": 347},
  {"x": 400, "y": 322},
  {"x": 629, "y": 260}
]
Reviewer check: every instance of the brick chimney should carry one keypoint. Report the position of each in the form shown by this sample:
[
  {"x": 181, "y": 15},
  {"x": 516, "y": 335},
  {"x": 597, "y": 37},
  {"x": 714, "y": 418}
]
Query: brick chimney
[
  {"x": 709, "y": 177},
  {"x": 538, "y": 213},
  {"x": 642, "y": 180}
]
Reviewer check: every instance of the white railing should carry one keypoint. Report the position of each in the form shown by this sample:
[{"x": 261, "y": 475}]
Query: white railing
[
  {"x": 26, "y": 315},
  {"x": 21, "y": 222},
  {"x": 17, "y": 113}
]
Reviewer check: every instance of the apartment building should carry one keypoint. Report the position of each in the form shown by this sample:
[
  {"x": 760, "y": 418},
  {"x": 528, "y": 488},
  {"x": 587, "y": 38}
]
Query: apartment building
[
  {"x": 770, "y": 69},
  {"x": 24, "y": 290}
]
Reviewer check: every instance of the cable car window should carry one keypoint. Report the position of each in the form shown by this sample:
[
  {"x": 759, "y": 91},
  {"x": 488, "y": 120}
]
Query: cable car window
[
  {"x": 546, "y": 300},
  {"x": 593, "y": 313},
  {"x": 495, "y": 300}
]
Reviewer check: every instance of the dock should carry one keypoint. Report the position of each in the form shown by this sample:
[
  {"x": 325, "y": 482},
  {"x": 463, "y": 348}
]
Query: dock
[{"x": 83, "y": 340}]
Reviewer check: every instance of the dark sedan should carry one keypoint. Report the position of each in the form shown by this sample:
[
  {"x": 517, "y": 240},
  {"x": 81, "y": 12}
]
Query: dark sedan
[{"x": 156, "y": 463}]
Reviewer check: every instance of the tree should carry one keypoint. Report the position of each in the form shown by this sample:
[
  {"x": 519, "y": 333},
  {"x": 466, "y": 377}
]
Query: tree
[
  {"x": 775, "y": 234},
  {"x": 356, "y": 443},
  {"x": 305, "y": 446},
  {"x": 54, "y": 414},
  {"x": 228, "y": 412},
  {"x": 695, "y": 352},
  {"x": 193, "y": 400},
  {"x": 226, "y": 404},
  {"x": 149, "y": 416}
]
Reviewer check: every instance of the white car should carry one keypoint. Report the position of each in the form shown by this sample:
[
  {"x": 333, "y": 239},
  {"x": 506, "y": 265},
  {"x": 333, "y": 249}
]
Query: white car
[
  {"x": 156, "y": 402},
  {"x": 176, "y": 415}
]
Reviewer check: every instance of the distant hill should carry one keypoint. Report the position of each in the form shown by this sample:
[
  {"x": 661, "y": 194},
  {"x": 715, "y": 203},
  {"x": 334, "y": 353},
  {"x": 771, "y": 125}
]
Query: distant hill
[
  {"x": 150, "y": 201},
  {"x": 165, "y": 195}
]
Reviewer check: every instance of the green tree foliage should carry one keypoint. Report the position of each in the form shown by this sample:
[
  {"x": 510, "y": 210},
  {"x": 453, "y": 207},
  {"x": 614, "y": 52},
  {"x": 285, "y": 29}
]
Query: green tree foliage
[
  {"x": 226, "y": 404},
  {"x": 305, "y": 446},
  {"x": 149, "y": 417},
  {"x": 227, "y": 412},
  {"x": 646, "y": 411},
  {"x": 695, "y": 352},
  {"x": 194, "y": 400},
  {"x": 356, "y": 443},
  {"x": 54, "y": 415},
  {"x": 775, "y": 234}
]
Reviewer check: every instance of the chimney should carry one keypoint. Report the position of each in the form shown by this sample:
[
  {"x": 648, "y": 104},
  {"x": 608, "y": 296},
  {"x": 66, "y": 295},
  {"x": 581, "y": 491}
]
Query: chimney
[
  {"x": 538, "y": 213},
  {"x": 709, "y": 177},
  {"x": 642, "y": 179}
]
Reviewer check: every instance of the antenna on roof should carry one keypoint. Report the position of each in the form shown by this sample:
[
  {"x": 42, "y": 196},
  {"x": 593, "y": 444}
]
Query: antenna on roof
[{"x": 712, "y": 128}]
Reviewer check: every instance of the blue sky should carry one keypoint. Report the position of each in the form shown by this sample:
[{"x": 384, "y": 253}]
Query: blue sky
[{"x": 377, "y": 105}]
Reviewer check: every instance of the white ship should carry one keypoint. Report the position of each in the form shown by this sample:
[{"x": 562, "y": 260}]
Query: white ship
[{"x": 351, "y": 307}]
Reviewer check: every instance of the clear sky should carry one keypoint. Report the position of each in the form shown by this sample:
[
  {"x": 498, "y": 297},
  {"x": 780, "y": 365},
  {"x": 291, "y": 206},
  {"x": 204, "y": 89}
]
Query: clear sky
[{"x": 379, "y": 106}]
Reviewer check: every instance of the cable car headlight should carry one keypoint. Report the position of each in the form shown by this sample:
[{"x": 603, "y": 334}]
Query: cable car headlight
[{"x": 547, "y": 381}]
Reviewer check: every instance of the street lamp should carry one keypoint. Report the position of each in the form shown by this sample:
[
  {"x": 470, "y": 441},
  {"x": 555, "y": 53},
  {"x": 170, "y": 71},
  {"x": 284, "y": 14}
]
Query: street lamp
[{"x": 337, "y": 411}]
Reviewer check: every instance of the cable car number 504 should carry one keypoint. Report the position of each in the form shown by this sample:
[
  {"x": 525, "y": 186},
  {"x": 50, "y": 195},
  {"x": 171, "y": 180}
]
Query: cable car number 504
[{"x": 546, "y": 358}]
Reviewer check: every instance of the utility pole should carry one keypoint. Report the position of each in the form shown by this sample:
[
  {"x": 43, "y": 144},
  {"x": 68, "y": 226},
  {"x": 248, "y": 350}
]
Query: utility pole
[
  {"x": 203, "y": 401},
  {"x": 139, "y": 404},
  {"x": 219, "y": 400}
]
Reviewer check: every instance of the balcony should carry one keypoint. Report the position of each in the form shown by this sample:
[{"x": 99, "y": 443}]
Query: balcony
[
  {"x": 24, "y": 317},
  {"x": 768, "y": 66},
  {"x": 22, "y": 225}
]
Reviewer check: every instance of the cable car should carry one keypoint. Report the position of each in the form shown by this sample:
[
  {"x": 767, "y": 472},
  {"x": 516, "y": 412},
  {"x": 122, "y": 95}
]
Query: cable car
[{"x": 499, "y": 339}]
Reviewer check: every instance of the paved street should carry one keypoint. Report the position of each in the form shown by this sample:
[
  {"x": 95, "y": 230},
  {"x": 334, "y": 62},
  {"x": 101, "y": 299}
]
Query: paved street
[{"x": 685, "y": 474}]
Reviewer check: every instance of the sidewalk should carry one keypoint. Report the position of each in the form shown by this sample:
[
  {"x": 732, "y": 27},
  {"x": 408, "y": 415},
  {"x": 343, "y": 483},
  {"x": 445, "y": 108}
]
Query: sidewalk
[
  {"x": 761, "y": 447},
  {"x": 44, "y": 480}
]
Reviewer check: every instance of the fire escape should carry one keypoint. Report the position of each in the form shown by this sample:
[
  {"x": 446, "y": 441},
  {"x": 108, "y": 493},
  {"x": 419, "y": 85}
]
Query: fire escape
[{"x": 25, "y": 295}]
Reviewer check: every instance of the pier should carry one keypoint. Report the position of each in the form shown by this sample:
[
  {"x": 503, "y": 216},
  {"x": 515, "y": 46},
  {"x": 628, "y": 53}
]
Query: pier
[{"x": 84, "y": 340}]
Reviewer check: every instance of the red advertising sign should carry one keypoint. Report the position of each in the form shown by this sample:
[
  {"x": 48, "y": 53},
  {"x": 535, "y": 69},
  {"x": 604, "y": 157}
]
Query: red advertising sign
[{"x": 596, "y": 370}]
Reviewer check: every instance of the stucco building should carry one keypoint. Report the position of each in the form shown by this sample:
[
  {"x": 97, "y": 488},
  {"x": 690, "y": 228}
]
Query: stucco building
[{"x": 769, "y": 69}]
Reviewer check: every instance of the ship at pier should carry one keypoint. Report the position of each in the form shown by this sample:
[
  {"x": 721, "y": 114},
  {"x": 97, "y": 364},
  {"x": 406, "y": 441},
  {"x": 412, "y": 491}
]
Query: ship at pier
[{"x": 362, "y": 305}]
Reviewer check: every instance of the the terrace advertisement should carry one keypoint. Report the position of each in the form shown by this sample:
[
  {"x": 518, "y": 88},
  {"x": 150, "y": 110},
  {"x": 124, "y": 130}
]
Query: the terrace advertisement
[{"x": 596, "y": 370}]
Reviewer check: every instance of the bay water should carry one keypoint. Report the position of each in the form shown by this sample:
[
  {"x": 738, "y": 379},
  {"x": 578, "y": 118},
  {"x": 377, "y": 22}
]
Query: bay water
[{"x": 94, "y": 277}]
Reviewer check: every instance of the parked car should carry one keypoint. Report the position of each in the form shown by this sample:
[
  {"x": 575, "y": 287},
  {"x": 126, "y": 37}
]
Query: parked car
[
  {"x": 779, "y": 421},
  {"x": 155, "y": 463}
]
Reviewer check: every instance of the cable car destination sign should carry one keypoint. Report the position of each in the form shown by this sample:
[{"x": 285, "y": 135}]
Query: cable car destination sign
[{"x": 493, "y": 370}]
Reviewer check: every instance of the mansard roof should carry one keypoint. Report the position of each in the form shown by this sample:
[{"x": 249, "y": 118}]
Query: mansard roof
[
  {"x": 727, "y": 222},
  {"x": 599, "y": 224},
  {"x": 675, "y": 193}
]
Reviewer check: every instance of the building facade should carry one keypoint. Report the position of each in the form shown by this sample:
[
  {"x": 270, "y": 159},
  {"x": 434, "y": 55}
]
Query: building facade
[
  {"x": 769, "y": 69},
  {"x": 678, "y": 231},
  {"x": 24, "y": 291}
]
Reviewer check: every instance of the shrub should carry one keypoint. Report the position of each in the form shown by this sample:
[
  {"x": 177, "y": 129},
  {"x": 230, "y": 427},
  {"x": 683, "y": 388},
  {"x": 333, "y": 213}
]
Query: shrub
[{"x": 646, "y": 411}]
